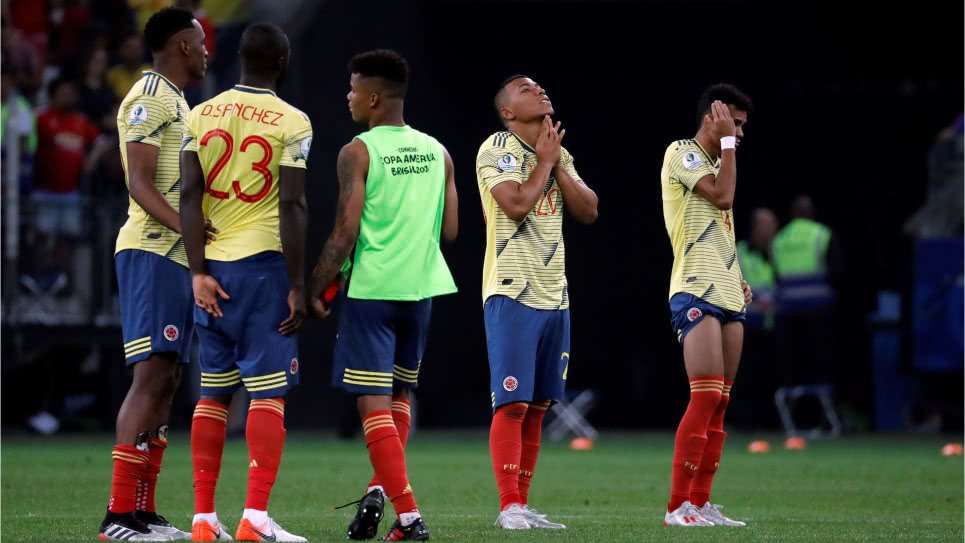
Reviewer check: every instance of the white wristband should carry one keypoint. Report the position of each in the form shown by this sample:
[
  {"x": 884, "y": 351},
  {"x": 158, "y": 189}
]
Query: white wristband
[{"x": 728, "y": 142}]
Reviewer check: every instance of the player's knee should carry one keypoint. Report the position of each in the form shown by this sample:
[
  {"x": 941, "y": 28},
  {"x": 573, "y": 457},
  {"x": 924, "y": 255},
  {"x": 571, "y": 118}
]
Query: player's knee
[{"x": 402, "y": 395}]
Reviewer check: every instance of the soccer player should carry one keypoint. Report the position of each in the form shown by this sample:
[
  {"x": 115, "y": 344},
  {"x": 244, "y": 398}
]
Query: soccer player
[
  {"x": 152, "y": 275},
  {"x": 525, "y": 180},
  {"x": 243, "y": 165},
  {"x": 397, "y": 193},
  {"x": 698, "y": 181}
]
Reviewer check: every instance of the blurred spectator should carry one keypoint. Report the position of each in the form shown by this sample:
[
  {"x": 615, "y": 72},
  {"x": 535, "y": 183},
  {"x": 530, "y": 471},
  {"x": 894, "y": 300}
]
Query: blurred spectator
[
  {"x": 69, "y": 21},
  {"x": 943, "y": 212},
  {"x": 18, "y": 121},
  {"x": 755, "y": 262},
  {"x": 103, "y": 168},
  {"x": 21, "y": 59},
  {"x": 123, "y": 76},
  {"x": 29, "y": 17},
  {"x": 96, "y": 97},
  {"x": 758, "y": 375},
  {"x": 807, "y": 264},
  {"x": 64, "y": 137}
]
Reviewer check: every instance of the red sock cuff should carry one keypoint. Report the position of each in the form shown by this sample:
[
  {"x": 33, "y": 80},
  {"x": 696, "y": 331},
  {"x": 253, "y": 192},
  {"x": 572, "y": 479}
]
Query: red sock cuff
[
  {"x": 129, "y": 454},
  {"x": 210, "y": 409},
  {"x": 379, "y": 425}
]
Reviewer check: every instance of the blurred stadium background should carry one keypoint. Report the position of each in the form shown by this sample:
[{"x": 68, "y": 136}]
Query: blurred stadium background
[{"x": 859, "y": 108}]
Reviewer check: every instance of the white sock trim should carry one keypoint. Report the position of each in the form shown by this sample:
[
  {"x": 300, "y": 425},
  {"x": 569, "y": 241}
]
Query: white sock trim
[
  {"x": 408, "y": 518},
  {"x": 256, "y": 517},
  {"x": 373, "y": 487},
  {"x": 210, "y": 518}
]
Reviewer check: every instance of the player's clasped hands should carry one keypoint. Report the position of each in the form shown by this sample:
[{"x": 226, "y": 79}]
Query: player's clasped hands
[
  {"x": 548, "y": 142},
  {"x": 206, "y": 292},
  {"x": 210, "y": 232}
]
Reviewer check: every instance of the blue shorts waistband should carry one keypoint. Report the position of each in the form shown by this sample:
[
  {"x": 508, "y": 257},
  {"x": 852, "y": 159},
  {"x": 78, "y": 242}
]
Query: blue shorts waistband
[{"x": 264, "y": 261}]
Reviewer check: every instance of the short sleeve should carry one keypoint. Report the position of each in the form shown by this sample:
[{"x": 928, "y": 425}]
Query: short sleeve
[
  {"x": 146, "y": 118},
  {"x": 189, "y": 141},
  {"x": 687, "y": 166},
  {"x": 298, "y": 144},
  {"x": 567, "y": 163},
  {"x": 495, "y": 165}
]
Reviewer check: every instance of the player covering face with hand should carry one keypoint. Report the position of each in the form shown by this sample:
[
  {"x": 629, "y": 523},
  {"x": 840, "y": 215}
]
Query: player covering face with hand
[
  {"x": 707, "y": 295},
  {"x": 526, "y": 179}
]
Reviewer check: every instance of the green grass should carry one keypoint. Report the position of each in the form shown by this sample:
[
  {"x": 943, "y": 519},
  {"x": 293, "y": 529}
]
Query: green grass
[{"x": 853, "y": 489}]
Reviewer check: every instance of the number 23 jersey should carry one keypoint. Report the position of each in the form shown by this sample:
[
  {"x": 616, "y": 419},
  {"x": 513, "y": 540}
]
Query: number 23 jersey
[{"x": 243, "y": 136}]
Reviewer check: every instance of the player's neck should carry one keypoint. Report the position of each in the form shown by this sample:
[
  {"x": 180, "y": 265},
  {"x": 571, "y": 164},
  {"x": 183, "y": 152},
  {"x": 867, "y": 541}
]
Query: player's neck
[
  {"x": 707, "y": 143},
  {"x": 257, "y": 82},
  {"x": 177, "y": 75},
  {"x": 528, "y": 132},
  {"x": 389, "y": 117}
]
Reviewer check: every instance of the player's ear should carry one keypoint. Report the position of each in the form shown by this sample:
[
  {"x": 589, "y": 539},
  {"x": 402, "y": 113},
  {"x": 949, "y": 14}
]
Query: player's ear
[
  {"x": 374, "y": 99},
  {"x": 506, "y": 114}
]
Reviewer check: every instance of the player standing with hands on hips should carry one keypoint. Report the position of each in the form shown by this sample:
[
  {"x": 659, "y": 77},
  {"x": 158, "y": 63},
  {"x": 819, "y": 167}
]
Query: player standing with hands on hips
[{"x": 698, "y": 181}]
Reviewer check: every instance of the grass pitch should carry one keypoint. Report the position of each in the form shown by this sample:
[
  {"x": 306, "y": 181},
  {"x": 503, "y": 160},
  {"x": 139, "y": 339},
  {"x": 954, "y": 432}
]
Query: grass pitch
[{"x": 852, "y": 489}]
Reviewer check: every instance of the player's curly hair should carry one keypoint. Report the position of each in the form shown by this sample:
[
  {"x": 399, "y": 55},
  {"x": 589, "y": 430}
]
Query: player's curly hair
[
  {"x": 164, "y": 24},
  {"x": 386, "y": 64},
  {"x": 726, "y": 93}
]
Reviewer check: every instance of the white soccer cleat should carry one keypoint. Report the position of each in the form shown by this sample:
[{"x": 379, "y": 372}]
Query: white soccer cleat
[
  {"x": 271, "y": 531},
  {"x": 713, "y": 513},
  {"x": 513, "y": 517},
  {"x": 539, "y": 520},
  {"x": 159, "y": 524},
  {"x": 686, "y": 515}
]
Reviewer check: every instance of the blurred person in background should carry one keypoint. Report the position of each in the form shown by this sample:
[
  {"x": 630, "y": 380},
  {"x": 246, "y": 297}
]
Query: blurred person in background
[
  {"x": 96, "y": 97},
  {"x": 754, "y": 256},
  {"x": 807, "y": 265},
  {"x": 942, "y": 214},
  {"x": 17, "y": 120},
  {"x": 65, "y": 135},
  {"x": 122, "y": 77},
  {"x": 68, "y": 22},
  {"x": 21, "y": 59}
]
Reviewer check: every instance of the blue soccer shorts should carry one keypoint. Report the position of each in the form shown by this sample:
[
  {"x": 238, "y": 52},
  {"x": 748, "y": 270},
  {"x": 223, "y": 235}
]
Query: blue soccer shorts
[
  {"x": 156, "y": 305},
  {"x": 379, "y": 345},
  {"x": 529, "y": 351},
  {"x": 687, "y": 310},
  {"x": 244, "y": 347}
]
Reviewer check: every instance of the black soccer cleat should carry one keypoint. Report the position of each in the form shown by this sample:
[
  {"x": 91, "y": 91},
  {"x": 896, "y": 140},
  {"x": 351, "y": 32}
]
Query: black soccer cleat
[
  {"x": 369, "y": 514},
  {"x": 125, "y": 527},
  {"x": 416, "y": 531}
]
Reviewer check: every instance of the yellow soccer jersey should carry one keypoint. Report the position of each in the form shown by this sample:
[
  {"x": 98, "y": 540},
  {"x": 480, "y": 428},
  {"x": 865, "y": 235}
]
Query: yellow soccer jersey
[
  {"x": 153, "y": 112},
  {"x": 243, "y": 136},
  {"x": 525, "y": 260},
  {"x": 705, "y": 253}
]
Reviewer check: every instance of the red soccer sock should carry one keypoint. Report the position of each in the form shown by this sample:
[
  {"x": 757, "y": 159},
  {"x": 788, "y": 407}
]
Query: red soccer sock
[
  {"x": 208, "y": 427},
  {"x": 691, "y": 437},
  {"x": 388, "y": 459},
  {"x": 531, "y": 434},
  {"x": 147, "y": 486},
  {"x": 402, "y": 416},
  {"x": 704, "y": 479},
  {"x": 129, "y": 464},
  {"x": 265, "y": 433},
  {"x": 506, "y": 450}
]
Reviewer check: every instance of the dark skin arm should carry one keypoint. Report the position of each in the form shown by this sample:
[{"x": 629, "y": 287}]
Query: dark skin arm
[
  {"x": 719, "y": 190},
  {"x": 450, "y": 214},
  {"x": 292, "y": 218},
  {"x": 352, "y": 168},
  {"x": 579, "y": 199},
  {"x": 141, "y": 167},
  {"x": 518, "y": 199},
  {"x": 192, "y": 227}
]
